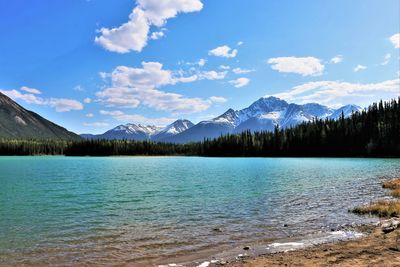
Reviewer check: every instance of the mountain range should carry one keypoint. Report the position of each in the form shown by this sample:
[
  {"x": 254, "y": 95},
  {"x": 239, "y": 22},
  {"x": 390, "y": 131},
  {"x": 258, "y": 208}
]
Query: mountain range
[
  {"x": 140, "y": 132},
  {"x": 19, "y": 123},
  {"x": 263, "y": 115}
]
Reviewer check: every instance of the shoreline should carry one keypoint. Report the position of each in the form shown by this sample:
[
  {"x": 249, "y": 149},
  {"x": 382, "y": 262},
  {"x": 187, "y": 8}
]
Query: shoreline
[
  {"x": 254, "y": 251},
  {"x": 199, "y": 156},
  {"x": 361, "y": 245},
  {"x": 379, "y": 247},
  {"x": 376, "y": 248},
  {"x": 369, "y": 244}
]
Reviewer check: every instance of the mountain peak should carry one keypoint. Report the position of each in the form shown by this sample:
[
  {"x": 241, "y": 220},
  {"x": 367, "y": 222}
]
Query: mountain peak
[
  {"x": 270, "y": 98},
  {"x": 174, "y": 128},
  {"x": 268, "y": 103},
  {"x": 346, "y": 110},
  {"x": 229, "y": 117}
]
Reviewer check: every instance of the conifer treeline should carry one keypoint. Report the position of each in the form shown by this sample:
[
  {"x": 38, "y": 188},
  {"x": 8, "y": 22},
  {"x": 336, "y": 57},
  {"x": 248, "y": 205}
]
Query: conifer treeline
[{"x": 374, "y": 132}]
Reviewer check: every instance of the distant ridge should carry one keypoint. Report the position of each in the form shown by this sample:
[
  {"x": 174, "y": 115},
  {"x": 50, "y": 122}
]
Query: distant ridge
[
  {"x": 19, "y": 123},
  {"x": 140, "y": 132}
]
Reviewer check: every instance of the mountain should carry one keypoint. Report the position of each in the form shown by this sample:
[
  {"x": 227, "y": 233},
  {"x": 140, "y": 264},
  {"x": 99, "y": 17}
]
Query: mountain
[
  {"x": 17, "y": 122},
  {"x": 346, "y": 110},
  {"x": 140, "y": 132},
  {"x": 263, "y": 115},
  {"x": 210, "y": 129},
  {"x": 174, "y": 128},
  {"x": 128, "y": 131}
]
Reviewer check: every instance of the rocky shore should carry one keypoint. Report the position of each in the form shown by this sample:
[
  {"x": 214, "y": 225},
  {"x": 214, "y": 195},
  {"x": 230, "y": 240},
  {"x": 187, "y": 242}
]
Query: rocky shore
[{"x": 379, "y": 247}]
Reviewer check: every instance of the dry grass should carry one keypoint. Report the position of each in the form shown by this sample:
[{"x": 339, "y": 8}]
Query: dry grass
[
  {"x": 392, "y": 184},
  {"x": 395, "y": 193},
  {"x": 381, "y": 208},
  {"x": 384, "y": 208}
]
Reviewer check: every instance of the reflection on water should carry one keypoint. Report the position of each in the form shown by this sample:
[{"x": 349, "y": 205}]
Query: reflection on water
[{"x": 125, "y": 210}]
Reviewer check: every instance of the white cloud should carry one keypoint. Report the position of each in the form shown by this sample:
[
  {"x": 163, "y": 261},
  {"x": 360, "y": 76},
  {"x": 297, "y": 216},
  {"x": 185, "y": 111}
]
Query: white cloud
[
  {"x": 187, "y": 79},
  {"x": 151, "y": 75},
  {"x": 103, "y": 75},
  {"x": 87, "y": 100},
  {"x": 359, "y": 68},
  {"x": 31, "y": 90},
  {"x": 336, "y": 59},
  {"x": 133, "y": 35},
  {"x": 332, "y": 92},
  {"x": 240, "y": 82},
  {"x": 224, "y": 67},
  {"x": 79, "y": 88},
  {"x": 242, "y": 71},
  {"x": 223, "y": 51},
  {"x": 157, "y": 35},
  {"x": 217, "y": 99},
  {"x": 131, "y": 87},
  {"x": 130, "y": 36},
  {"x": 386, "y": 59},
  {"x": 28, "y": 98},
  {"x": 240, "y": 43},
  {"x": 212, "y": 75},
  {"x": 96, "y": 124},
  {"x": 395, "y": 39},
  {"x": 64, "y": 105},
  {"x": 202, "y": 62},
  {"x": 305, "y": 66},
  {"x": 90, "y": 115},
  {"x": 60, "y": 104},
  {"x": 135, "y": 118},
  {"x": 158, "y": 12}
]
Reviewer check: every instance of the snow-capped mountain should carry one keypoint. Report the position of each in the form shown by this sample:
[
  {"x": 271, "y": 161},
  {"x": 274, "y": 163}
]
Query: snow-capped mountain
[
  {"x": 207, "y": 129},
  {"x": 263, "y": 115},
  {"x": 174, "y": 128},
  {"x": 131, "y": 131},
  {"x": 346, "y": 110},
  {"x": 140, "y": 132}
]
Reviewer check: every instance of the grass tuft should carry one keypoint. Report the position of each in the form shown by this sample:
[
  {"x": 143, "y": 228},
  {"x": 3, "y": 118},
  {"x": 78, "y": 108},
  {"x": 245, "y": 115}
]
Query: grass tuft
[
  {"x": 384, "y": 208},
  {"x": 381, "y": 208}
]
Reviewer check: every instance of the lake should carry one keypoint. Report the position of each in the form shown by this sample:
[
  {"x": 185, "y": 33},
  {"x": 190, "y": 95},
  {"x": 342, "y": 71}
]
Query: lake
[{"x": 153, "y": 210}]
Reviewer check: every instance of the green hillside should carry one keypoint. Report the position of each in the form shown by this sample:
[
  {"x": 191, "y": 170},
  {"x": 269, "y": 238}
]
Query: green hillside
[{"x": 17, "y": 122}]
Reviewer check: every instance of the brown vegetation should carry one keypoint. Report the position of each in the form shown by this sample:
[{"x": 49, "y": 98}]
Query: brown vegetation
[
  {"x": 384, "y": 208},
  {"x": 395, "y": 193},
  {"x": 381, "y": 208},
  {"x": 392, "y": 184}
]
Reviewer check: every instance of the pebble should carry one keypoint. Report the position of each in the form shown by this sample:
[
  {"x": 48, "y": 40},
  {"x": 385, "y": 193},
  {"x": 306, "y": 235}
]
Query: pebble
[{"x": 390, "y": 225}]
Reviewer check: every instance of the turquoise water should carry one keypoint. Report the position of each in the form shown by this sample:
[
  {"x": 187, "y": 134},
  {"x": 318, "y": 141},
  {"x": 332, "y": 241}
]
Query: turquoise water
[{"x": 59, "y": 210}]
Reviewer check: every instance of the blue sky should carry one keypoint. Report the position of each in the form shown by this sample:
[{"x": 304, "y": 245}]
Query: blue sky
[{"x": 92, "y": 65}]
